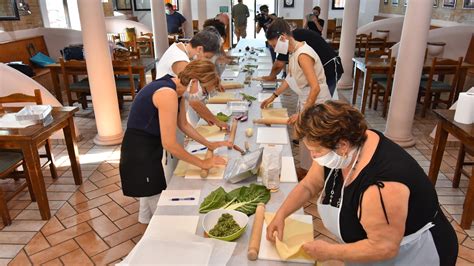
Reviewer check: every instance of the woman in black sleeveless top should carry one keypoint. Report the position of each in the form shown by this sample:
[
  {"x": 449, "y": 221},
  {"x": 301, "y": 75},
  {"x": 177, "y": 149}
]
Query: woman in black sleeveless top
[
  {"x": 374, "y": 197},
  {"x": 156, "y": 114}
]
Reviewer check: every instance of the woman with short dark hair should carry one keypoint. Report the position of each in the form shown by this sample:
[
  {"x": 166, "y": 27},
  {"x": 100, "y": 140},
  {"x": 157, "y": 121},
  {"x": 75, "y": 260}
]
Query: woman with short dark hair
[{"x": 374, "y": 197}]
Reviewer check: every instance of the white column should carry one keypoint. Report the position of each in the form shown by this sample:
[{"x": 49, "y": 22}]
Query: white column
[
  {"x": 100, "y": 73},
  {"x": 159, "y": 25},
  {"x": 307, "y": 7},
  {"x": 324, "y": 5},
  {"x": 188, "y": 14},
  {"x": 408, "y": 72},
  {"x": 348, "y": 41},
  {"x": 202, "y": 12}
]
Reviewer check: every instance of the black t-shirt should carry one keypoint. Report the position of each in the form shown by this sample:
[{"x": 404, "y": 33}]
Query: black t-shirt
[
  {"x": 312, "y": 25},
  {"x": 263, "y": 21}
]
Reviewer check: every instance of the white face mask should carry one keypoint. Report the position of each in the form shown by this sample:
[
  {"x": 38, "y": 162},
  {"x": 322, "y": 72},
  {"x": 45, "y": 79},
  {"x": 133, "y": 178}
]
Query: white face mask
[
  {"x": 167, "y": 11},
  {"x": 282, "y": 46},
  {"x": 333, "y": 160},
  {"x": 197, "y": 96}
]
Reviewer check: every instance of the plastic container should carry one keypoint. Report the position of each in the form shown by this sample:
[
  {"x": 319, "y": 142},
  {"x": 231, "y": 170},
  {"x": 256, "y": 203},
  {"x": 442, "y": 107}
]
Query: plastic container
[
  {"x": 238, "y": 107},
  {"x": 39, "y": 114},
  {"x": 243, "y": 167},
  {"x": 269, "y": 85}
]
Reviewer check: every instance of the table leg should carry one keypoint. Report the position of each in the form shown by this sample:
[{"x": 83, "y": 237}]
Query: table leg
[
  {"x": 56, "y": 86},
  {"x": 365, "y": 90},
  {"x": 33, "y": 167},
  {"x": 468, "y": 211},
  {"x": 153, "y": 73},
  {"x": 460, "y": 85},
  {"x": 437, "y": 153},
  {"x": 355, "y": 87},
  {"x": 142, "y": 78},
  {"x": 72, "y": 150}
]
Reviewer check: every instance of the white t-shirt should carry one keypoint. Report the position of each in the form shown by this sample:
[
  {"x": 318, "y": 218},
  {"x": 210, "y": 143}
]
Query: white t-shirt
[{"x": 173, "y": 54}]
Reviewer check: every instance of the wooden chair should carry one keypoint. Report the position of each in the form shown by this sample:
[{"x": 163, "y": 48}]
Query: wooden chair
[
  {"x": 387, "y": 53},
  {"x": 361, "y": 43},
  {"x": 336, "y": 34},
  {"x": 460, "y": 163},
  {"x": 383, "y": 87},
  {"x": 125, "y": 82},
  {"x": 81, "y": 87},
  {"x": 376, "y": 44},
  {"x": 145, "y": 43},
  {"x": 9, "y": 162},
  {"x": 432, "y": 89},
  {"x": 36, "y": 98}
]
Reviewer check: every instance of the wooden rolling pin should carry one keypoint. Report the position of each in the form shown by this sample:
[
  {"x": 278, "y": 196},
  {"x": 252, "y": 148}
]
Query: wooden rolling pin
[
  {"x": 271, "y": 121},
  {"x": 256, "y": 236},
  {"x": 205, "y": 172},
  {"x": 233, "y": 129}
]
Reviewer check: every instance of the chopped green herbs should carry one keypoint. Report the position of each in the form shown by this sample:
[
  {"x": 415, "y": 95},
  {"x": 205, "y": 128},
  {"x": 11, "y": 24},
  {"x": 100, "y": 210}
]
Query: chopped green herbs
[{"x": 226, "y": 226}]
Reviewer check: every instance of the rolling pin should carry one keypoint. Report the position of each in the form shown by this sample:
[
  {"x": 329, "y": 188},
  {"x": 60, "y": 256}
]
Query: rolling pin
[
  {"x": 270, "y": 121},
  {"x": 233, "y": 129},
  {"x": 205, "y": 172},
  {"x": 256, "y": 236}
]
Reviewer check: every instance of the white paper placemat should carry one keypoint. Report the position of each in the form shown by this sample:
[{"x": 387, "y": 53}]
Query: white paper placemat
[
  {"x": 264, "y": 95},
  {"x": 272, "y": 135},
  {"x": 264, "y": 66},
  {"x": 229, "y": 74},
  {"x": 9, "y": 121},
  {"x": 216, "y": 108},
  {"x": 179, "y": 197},
  {"x": 288, "y": 171}
]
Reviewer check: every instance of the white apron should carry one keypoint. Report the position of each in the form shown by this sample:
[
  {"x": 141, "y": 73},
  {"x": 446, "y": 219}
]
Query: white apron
[{"x": 415, "y": 249}]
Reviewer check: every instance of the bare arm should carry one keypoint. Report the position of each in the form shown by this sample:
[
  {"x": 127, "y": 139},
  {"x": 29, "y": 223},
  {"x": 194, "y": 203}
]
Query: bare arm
[
  {"x": 206, "y": 114},
  {"x": 383, "y": 239},
  {"x": 307, "y": 65},
  {"x": 187, "y": 129},
  {"x": 276, "y": 68},
  {"x": 178, "y": 66},
  {"x": 318, "y": 26},
  {"x": 283, "y": 87}
]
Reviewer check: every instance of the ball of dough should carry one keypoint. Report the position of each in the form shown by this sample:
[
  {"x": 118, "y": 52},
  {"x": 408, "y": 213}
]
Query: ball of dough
[{"x": 249, "y": 132}]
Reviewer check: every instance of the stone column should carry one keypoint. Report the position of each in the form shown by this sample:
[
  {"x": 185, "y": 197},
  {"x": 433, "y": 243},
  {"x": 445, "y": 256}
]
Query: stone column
[
  {"x": 100, "y": 73},
  {"x": 160, "y": 32},
  {"x": 348, "y": 41},
  {"x": 202, "y": 12},
  {"x": 324, "y": 4},
  {"x": 188, "y": 14},
  {"x": 408, "y": 72}
]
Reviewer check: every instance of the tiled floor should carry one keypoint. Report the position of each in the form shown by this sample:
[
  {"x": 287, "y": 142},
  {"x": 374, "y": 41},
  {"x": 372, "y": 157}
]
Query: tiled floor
[{"x": 95, "y": 224}]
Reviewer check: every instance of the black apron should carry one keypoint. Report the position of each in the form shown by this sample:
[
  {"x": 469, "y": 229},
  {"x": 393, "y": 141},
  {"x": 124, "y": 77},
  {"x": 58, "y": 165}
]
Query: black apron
[{"x": 141, "y": 170}]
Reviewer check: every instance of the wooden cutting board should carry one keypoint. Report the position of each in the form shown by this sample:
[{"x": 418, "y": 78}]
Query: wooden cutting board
[{"x": 275, "y": 113}]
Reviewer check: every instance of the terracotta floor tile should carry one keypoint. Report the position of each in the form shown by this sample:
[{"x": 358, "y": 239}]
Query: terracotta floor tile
[
  {"x": 114, "y": 253},
  {"x": 29, "y": 215},
  {"x": 466, "y": 253},
  {"x": 113, "y": 211},
  {"x": 21, "y": 259},
  {"x": 121, "y": 200},
  {"x": 18, "y": 204},
  {"x": 101, "y": 191},
  {"x": 52, "y": 226},
  {"x": 15, "y": 237},
  {"x": 468, "y": 242},
  {"x": 59, "y": 195},
  {"x": 65, "y": 180},
  {"x": 37, "y": 244},
  {"x": 108, "y": 181},
  {"x": 9, "y": 251},
  {"x": 77, "y": 198},
  {"x": 77, "y": 257},
  {"x": 62, "y": 188},
  {"x": 103, "y": 226},
  {"x": 463, "y": 262},
  {"x": 104, "y": 167},
  {"x": 69, "y": 233},
  {"x": 125, "y": 234},
  {"x": 91, "y": 243},
  {"x": 81, "y": 217},
  {"x": 81, "y": 207},
  {"x": 127, "y": 221},
  {"x": 54, "y": 252},
  {"x": 55, "y": 262},
  {"x": 96, "y": 176},
  {"x": 137, "y": 238},
  {"x": 25, "y": 225},
  {"x": 132, "y": 208},
  {"x": 53, "y": 205},
  {"x": 65, "y": 211},
  {"x": 111, "y": 172},
  {"x": 87, "y": 186}
]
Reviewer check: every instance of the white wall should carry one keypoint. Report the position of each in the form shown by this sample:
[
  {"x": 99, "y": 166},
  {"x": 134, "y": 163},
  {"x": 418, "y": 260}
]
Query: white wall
[{"x": 394, "y": 25}]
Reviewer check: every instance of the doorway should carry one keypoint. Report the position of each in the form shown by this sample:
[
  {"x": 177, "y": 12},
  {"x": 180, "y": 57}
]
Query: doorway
[{"x": 254, "y": 9}]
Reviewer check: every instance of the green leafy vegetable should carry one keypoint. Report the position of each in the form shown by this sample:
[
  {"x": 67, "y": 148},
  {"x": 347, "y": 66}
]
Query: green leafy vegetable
[
  {"x": 243, "y": 199},
  {"x": 248, "y": 97},
  {"x": 222, "y": 117},
  {"x": 226, "y": 226}
]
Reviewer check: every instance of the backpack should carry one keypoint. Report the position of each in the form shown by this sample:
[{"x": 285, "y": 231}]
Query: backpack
[{"x": 73, "y": 52}]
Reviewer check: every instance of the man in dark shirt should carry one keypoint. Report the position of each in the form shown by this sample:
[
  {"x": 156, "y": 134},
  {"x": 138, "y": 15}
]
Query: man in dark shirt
[
  {"x": 331, "y": 62},
  {"x": 313, "y": 22},
  {"x": 174, "y": 20},
  {"x": 263, "y": 19}
]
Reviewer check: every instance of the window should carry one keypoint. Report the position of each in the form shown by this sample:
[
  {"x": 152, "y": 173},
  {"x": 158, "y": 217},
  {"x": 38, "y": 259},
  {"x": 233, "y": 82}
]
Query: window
[
  {"x": 57, "y": 14},
  {"x": 338, "y": 4}
]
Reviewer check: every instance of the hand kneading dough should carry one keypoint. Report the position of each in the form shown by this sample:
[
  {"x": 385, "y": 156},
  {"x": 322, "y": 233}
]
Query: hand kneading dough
[{"x": 295, "y": 234}]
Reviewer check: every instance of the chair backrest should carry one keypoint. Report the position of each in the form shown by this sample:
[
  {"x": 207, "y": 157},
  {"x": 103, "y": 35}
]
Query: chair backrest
[
  {"x": 361, "y": 42},
  {"x": 124, "y": 68},
  {"x": 73, "y": 67},
  {"x": 148, "y": 34},
  {"x": 445, "y": 67},
  {"x": 376, "y": 43},
  {"x": 23, "y": 98},
  {"x": 377, "y": 54},
  {"x": 391, "y": 72}
]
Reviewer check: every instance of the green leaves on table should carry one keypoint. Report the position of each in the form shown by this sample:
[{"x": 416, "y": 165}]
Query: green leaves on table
[
  {"x": 222, "y": 117},
  {"x": 248, "y": 97},
  {"x": 244, "y": 199}
]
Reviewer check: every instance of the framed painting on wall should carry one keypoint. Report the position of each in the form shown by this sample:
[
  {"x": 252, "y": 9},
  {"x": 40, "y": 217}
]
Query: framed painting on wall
[
  {"x": 405, "y": 3},
  {"x": 289, "y": 3},
  {"x": 449, "y": 3},
  {"x": 9, "y": 10},
  {"x": 394, "y": 2},
  {"x": 468, "y": 4},
  {"x": 175, "y": 4},
  {"x": 385, "y": 2},
  {"x": 123, "y": 5},
  {"x": 435, "y": 3}
]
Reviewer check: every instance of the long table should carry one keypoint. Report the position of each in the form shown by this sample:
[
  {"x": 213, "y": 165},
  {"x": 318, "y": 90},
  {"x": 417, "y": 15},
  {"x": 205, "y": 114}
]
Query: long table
[{"x": 239, "y": 256}]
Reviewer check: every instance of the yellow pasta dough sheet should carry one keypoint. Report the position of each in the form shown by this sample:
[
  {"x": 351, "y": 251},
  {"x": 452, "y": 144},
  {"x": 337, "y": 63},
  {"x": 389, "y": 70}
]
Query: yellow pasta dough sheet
[
  {"x": 211, "y": 133},
  {"x": 194, "y": 172},
  {"x": 275, "y": 113},
  {"x": 295, "y": 234},
  {"x": 223, "y": 97}
]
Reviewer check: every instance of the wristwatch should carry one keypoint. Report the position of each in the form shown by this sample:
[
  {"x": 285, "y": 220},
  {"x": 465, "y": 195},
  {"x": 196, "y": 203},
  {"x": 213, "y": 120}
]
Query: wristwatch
[{"x": 276, "y": 95}]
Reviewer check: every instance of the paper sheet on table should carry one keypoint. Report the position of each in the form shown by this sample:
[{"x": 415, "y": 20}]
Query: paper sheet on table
[
  {"x": 275, "y": 113},
  {"x": 167, "y": 196},
  {"x": 295, "y": 234},
  {"x": 196, "y": 148},
  {"x": 263, "y": 96},
  {"x": 272, "y": 135},
  {"x": 228, "y": 73},
  {"x": 9, "y": 121},
  {"x": 223, "y": 97},
  {"x": 211, "y": 133},
  {"x": 264, "y": 60},
  {"x": 194, "y": 172},
  {"x": 265, "y": 66},
  {"x": 288, "y": 171}
]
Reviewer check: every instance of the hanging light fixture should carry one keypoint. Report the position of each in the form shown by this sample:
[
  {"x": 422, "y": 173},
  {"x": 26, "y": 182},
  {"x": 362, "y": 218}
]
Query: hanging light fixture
[{"x": 24, "y": 8}]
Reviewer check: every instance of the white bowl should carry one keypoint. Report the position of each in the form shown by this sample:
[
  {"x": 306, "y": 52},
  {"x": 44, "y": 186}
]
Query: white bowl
[{"x": 211, "y": 218}]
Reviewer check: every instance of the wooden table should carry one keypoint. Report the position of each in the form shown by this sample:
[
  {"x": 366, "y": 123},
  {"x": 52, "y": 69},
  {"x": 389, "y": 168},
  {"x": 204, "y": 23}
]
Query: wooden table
[
  {"x": 139, "y": 66},
  {"x": 381, "y": 66},
  {"x": 28, "y": 140},
  {"x": 465, "y": 134}
]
